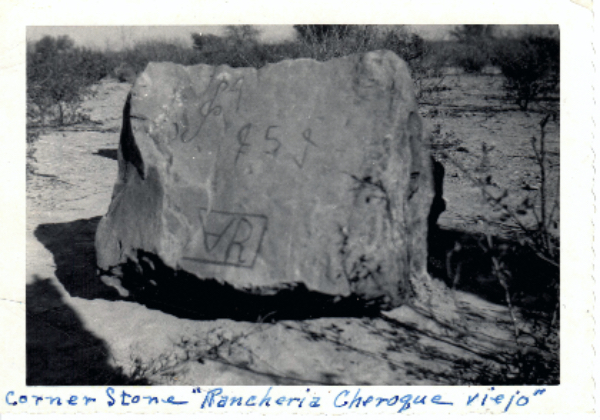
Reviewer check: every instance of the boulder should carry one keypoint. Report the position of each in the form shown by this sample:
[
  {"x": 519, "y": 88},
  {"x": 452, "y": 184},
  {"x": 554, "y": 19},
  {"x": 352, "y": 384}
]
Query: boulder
[{"x": 301, "y": 173}]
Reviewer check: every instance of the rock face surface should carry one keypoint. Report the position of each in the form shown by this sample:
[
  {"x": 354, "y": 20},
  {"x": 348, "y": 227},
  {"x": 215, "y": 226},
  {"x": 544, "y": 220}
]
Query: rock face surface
[{"x": 300, "y": 173}]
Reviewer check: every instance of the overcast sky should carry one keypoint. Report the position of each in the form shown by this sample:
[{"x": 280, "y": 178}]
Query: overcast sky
[{"x": 117, "y": 37}]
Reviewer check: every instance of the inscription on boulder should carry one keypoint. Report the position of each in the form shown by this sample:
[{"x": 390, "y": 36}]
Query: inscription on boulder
[
  {"x": 299, "y": 173},
  {"x": 235, "y": 241}
]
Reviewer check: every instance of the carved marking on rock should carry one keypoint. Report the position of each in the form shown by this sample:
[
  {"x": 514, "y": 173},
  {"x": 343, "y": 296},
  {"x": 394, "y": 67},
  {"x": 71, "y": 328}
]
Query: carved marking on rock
[
  {"x": 306, "y": 136},
  {"x": 242, "y": 136},
  {"x": 237, "y": 87},
  {"x": 209, "y": 108},
  {"x": 229, "y": 238},
  {"x": 269, "y": 137}
]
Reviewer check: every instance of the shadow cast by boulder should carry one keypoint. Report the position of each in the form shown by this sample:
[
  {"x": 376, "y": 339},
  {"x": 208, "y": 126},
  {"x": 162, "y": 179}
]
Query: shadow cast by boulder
[
  {"x": 59, "y": 350},
  {"x": 72, "y": 245},
  {"x": 108, "y": 153},
  {"x": 179, "y": 293}
]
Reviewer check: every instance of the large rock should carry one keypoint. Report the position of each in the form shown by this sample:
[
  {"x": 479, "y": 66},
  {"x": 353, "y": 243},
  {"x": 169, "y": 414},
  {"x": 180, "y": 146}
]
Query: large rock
[{"x": 300, "y": 173}]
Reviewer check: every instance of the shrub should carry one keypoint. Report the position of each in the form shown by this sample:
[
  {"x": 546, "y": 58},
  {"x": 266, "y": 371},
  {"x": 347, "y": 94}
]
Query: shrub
[
  {"x": 324, "y": 42},
  {"x": 125, "y": 73},
  {"x": 57, "y": 75},
  {"x": 238, "y": 48},
  {"x": 137, "y": 58},
  {"x": 319, "y": 33},
  {"x": 472, "y": 52},
  {"x": 530, "y": 65},
  {"x": 471, "y": 58},
  {"x": 32, "y": 137}
]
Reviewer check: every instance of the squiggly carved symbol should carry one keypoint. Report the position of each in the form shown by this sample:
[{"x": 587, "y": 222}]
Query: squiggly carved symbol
[
  {"x": 242, "y": 137},
  {"x": 207, "y": 109},
  {"x": 238, "y": 88},
  {"x": 306, "y": 135}
]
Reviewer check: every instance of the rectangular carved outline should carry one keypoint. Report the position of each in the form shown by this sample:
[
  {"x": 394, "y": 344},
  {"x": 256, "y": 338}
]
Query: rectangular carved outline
[{"x": 258, "y": 248}]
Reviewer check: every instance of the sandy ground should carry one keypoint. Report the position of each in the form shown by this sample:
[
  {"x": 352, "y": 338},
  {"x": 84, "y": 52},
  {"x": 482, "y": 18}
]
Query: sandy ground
[
  {"x": 471, "y": 117},
  {"x": 80, "y": 331}
]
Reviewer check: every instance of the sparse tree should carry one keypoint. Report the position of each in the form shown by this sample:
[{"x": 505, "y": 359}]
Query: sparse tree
[
  {"x": 474, "y": 43},
  {"x": 530, "y": 65},
  {"x": 58, "y": 73},
  {"x": 239, "y": 47},
  {"x": 241, "y": 35}
]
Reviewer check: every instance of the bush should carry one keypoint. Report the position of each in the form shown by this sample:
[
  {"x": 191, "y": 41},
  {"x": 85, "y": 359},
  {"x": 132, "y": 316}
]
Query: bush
[
  {"x": 530, "y": 65},
  {"x": 32, "y": 137},
  {"x": 471, "y": 58},
  {"x": 319, "y": 33},
  {"x": 324, "y": 42},
  {"x": 125, "y": 73},
  {"x": 240, "y": 47},
  {"x": 472, "y": 50},
  {"x": 57, "y": 75},
  {"x": 137, "y": 58}
]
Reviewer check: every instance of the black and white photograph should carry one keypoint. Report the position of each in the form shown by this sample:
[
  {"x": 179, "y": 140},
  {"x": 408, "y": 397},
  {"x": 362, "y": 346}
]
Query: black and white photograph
[
  {"x": 258, "y": 208},
  {"x": 308, "y": 204}
]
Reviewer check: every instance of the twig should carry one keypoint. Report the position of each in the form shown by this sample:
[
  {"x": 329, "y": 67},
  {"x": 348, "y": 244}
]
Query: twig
[
  {"x": 556, "y": 204},
  {"x": 543, "y": 257},
  {"x": 490, "y": 196},
  {"x": 501, "y": 276}
]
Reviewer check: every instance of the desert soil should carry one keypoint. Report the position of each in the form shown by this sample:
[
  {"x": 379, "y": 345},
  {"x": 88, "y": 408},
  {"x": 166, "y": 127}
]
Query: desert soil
[{"x": 80, "y": 331}]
